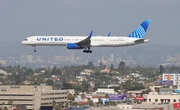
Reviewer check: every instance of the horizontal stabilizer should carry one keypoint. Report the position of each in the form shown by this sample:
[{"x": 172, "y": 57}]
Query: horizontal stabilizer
[{"x": 139, "y": 40}]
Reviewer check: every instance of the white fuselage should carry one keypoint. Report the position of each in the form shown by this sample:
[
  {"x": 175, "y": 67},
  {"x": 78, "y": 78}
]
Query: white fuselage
[{"x": 96, "y": 41}]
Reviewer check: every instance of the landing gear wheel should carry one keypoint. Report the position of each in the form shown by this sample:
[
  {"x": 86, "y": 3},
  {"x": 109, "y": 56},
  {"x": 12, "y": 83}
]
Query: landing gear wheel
[
  {"x": 34, "y": 48},
  {"x": 87, "y": 51}
]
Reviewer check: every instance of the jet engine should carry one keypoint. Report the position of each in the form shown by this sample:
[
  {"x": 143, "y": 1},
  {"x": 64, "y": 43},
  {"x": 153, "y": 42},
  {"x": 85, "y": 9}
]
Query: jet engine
[{"x": 73, "y": 46}]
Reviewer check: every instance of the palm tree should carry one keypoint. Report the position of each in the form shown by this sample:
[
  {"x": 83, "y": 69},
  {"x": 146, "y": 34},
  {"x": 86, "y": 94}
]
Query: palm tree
[{"x": 54, "y": 104}]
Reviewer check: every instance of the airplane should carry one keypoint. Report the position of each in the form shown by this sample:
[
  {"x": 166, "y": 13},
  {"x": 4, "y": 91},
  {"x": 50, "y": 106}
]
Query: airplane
[{"x": 86, "y": 42}]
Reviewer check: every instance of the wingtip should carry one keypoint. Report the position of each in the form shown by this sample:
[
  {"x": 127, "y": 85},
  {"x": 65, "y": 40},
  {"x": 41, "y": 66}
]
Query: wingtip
[{"x": 90, "y": 34}]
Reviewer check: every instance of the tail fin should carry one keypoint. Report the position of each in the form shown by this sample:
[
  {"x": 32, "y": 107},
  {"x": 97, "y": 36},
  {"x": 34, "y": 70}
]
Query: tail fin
[{"x": 140, "y": 31}]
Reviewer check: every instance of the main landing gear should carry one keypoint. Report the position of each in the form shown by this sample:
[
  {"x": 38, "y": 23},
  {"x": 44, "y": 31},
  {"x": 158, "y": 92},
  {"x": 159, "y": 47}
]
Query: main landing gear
[
  {"x": 87, "y": 51},
  {"x": 34, "y": 48}
]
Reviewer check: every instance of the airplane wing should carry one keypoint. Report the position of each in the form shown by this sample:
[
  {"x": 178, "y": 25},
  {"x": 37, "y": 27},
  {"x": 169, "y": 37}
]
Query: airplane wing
[
  {"x": 109, "y": 34},
  {"x": 86, "y": 42}
]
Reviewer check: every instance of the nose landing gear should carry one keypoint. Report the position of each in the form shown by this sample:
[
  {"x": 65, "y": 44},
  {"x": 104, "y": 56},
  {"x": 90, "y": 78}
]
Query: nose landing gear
[{"x": 34, "y": 48}]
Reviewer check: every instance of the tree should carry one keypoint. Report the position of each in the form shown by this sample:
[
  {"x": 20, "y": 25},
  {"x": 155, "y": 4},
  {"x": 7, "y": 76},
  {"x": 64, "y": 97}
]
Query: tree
[
  {"x": 101, "y": 65},
  {"x": 54, "y": 104},
  {"x": 89, "y": 100},
  {"x": 91, "y": 103},
  {"x": 75, "y": 104},
  {"x": 49, "y": 82},
  {"x": 82, "y": 96},
  {"x": 5, "y": 108},
  {"x": 54, "y": 71},
  {"x": 90, "y": 65},
  {"x": 161, "y": 69},
  {"x": 122, "y": 63},
  {"x": 3, "y": 103},
  {"x": 66, "y": 104},
  {"x": 112, "y": 67},
  {"x": 122, "y": 67},
  {"x": 106, "y": 96},
  {"x": 71, "y": 103},
  {"x": 57, "y": 107},
  {"x": 70, "y": 96}
]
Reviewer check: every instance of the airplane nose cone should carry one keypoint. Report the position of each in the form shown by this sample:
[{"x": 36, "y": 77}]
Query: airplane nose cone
[{"x": 22, "y": 42}]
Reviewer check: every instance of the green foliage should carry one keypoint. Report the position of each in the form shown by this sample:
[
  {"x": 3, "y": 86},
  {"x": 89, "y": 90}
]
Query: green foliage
[
  {"x": 106, "y": 96},
  {"x": 156, "y": 89},
  {"x": 161, "y": 69},
  {"x": 69, "y": 73},
  {"x": 70, "y": 97},
  {"x": 122, "y": 68},
  {"x": 55, "y": 71},
  {"x": 54, "y": 104},
  {"x": 91, "y": 103},
  {"x": 146, "y": 91},
  {"x": 112, "y": 67},
  {"x": 90, "y": 65},
  {"x": 102, "y": 66},
  {"x": 49, "y": 82},
  {"x": 10, "y": 102},
  {"x": 129, "y": 85}
]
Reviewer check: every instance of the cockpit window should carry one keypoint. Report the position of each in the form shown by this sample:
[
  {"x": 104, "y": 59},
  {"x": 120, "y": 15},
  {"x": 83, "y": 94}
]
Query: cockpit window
[{"x": 25, "y": 39}]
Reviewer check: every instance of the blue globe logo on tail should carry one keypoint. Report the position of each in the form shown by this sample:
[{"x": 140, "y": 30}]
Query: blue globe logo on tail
[{"x": 140, "y": 31}]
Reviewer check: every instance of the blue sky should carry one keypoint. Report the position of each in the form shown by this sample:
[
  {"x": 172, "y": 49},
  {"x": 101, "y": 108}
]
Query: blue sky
[{"x": 22, "y": 18}]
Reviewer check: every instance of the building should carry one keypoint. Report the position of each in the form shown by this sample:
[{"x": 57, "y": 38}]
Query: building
[
  {"x": 33, "y": 97},
  {"x": 106, "y": 70},
  {"x": 105, "y": 91},
  {"x": 171, "y": 78},
  {"x": 162, "y": 98},
  {"x": 124, "y": 107}
]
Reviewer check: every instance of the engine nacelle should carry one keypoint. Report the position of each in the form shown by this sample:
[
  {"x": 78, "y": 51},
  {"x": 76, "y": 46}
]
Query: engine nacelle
[{"x": 73, "y": 46}]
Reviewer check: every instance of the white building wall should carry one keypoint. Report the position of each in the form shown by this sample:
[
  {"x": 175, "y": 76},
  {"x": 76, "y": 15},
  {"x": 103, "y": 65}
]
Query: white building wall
[
  {"x": 175, "y": 77},
  {"x": 125, "y": 107},
  {"x": 105, "y": 91},
  {"x": 163, "y": 98}
]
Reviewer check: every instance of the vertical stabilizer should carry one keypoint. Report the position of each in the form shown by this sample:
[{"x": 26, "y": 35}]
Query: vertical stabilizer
[{"x": 140, "y": 31}]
